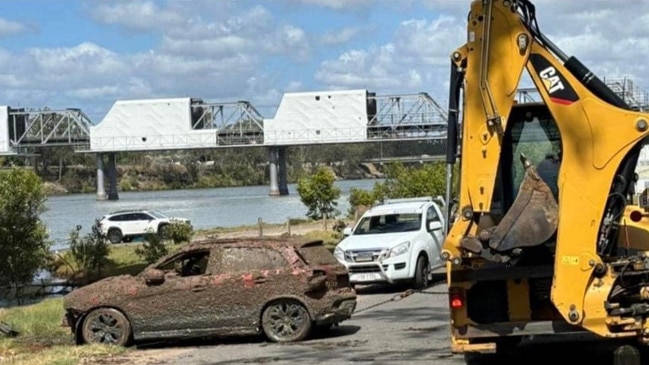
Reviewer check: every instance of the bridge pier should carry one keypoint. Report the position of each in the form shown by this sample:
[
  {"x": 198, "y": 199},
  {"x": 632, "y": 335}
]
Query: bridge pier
[
  {"x": 101, "y": 190},
  {"x": 278, "y": 181},
  {"x": 112, "y": 177}
]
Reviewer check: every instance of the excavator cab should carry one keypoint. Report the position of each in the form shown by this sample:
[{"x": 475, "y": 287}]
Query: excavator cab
[{"x": 524, "y": 215}]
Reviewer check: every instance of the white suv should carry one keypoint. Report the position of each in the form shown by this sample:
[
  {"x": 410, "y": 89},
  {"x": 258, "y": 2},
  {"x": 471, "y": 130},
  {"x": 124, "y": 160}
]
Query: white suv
[
  {"x": 124, "y": 225},
  {"x": 400, "y": 240}
]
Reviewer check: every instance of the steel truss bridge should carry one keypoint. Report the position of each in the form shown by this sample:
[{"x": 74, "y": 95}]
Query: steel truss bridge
[{"x": 239, "y": 124}]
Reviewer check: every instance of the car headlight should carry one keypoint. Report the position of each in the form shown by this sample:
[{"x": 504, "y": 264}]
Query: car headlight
[
  {"x": 339, "y": 254},
  {"x": 399, "y": 249}
]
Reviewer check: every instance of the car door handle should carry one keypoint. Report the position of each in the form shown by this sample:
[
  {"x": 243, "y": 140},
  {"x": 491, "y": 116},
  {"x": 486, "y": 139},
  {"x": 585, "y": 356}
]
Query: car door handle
[
  {"x": 198, "y": 288},
  {"x": 260, "y": 280}
]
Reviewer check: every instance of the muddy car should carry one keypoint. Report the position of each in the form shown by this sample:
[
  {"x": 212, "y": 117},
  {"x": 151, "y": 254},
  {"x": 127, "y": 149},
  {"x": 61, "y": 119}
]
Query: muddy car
[{"x": 279, "y": 287}]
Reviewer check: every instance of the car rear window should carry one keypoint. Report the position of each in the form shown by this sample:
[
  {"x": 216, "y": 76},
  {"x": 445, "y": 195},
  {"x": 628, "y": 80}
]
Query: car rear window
[{"x": 317, "y": 255}]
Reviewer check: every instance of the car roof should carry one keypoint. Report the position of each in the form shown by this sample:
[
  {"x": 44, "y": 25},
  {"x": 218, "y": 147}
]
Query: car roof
[
  {"x": 130, "y": 211},
  {"x": 272, "y": 242},
  {"x": 393, "y": 208}
]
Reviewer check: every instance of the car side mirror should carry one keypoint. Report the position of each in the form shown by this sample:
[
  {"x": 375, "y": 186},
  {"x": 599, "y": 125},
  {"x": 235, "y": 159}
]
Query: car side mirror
[
  {"x": 434, "y": 225},
  {"x": 154, "y": 277},
  {"x": 347, "y": 231}
]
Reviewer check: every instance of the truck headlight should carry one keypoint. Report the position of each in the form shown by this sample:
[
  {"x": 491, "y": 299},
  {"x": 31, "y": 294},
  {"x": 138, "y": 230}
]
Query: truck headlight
[
  {"x": 339, "y": 254},
  {"x": 399, "y": 249}
]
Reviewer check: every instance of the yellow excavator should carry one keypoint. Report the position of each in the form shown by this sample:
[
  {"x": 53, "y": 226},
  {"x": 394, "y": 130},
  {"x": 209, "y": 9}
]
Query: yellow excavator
[{"x": 545, "y": 239}]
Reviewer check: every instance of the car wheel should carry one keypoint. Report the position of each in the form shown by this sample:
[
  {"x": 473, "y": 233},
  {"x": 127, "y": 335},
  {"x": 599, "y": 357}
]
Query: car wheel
[
  {"x": 114, "y": 236},
  {"x": 286, "y": 321},
  {"x": 421, "y": 273},
  {"x": 106, "y": 326}
]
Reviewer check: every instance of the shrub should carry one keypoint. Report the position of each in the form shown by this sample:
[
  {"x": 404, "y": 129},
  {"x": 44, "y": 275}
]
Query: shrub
[
  {"x": 178, "y": 232},
  {"x": 88, "y": 253},
  {"x": 153, "y": 249}
]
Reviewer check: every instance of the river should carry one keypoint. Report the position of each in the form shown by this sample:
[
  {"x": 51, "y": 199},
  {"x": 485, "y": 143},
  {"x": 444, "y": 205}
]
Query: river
[{"x": 206, "y": 208}]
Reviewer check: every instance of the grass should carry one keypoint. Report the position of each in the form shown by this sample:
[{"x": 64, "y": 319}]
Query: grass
[{"x": 42, "y": 340}]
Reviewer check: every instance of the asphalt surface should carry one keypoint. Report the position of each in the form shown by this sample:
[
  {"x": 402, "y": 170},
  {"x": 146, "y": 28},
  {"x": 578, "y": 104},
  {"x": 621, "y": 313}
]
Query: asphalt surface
[{"x": 385, "y": 329}]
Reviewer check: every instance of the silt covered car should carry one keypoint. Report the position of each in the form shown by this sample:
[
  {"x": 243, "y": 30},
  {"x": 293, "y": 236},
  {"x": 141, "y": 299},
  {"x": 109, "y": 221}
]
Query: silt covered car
[{"x": 280, "y": 287}]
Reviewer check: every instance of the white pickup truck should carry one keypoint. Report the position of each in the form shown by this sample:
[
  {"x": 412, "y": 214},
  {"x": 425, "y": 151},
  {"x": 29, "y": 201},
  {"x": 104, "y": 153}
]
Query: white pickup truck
[{"x": 399, "y": 240}]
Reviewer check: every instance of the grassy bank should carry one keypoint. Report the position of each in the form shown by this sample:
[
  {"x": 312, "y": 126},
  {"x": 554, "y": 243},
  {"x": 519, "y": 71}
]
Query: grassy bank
[{"x": 42, "y": 341}]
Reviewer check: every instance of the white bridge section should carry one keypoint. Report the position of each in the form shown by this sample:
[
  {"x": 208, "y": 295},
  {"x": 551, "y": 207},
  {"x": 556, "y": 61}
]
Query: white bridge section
[
  {"x": 155, "y": 124},
  {"x": 302, "y": 118},
  {"x": 4, "y": 130},
  {"x": 319, "y": 117}
]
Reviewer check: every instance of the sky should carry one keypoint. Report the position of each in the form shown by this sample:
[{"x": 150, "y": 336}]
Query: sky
[{"x": 88, "y": 54}]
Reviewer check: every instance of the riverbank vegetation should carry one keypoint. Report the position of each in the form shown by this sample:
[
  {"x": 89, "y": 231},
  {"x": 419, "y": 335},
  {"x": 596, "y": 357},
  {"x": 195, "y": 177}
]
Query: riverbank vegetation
[{"x": 65, "y": 171}]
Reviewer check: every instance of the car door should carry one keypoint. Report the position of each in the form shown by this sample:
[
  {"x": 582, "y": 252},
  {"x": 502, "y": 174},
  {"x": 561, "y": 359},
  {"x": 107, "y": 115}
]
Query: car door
[
  {"x": 437, "y": 233},
  {"x": 252, "y": 278},
  {"x": 185, "y": 301},
  {"x": 141, "y": 223}
]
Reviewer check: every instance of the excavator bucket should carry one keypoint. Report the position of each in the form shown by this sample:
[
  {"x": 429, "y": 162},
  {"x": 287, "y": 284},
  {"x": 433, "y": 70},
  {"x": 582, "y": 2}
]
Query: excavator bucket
[{"x": 533, "y": 217}]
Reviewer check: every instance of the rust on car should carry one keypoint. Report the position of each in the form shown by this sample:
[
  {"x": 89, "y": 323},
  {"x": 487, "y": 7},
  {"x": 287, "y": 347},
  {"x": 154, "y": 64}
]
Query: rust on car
[{"x": 281, "y": 287}]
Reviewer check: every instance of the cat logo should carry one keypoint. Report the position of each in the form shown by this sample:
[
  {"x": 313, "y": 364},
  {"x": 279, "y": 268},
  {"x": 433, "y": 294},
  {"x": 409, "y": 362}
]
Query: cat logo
[
  {"x": 558, "y": 88},
  {"x": 551, "y": 80}
]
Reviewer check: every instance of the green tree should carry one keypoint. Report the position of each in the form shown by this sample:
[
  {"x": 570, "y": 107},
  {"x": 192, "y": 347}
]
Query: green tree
[
  {"x": 358, "y": 200},
  {"x": 409, "y": 182},
  {"x": 24, "y": 247},
  {"x": 403, "y": 182},
  {"x": 89, "y": 253},
  {"x": 319, "y": 194}
]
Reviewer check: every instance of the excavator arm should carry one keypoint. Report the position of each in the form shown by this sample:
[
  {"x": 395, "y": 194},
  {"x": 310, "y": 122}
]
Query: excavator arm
[{"x": 597, "y": 273}]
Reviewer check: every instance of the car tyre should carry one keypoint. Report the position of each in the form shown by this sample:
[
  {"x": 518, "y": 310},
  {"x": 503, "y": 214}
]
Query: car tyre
[
  {"x": 286, "y": 321},
  {"x": 421, "y": 273},
  {"x": 106, "y": 326},
  {"x": 114, "y": 235}
]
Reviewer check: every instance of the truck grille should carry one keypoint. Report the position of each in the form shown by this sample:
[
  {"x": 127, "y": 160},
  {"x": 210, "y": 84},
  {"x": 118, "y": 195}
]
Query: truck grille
[
  {"x": 363, "y": 269},
  {"x": 364, "y": 255}
]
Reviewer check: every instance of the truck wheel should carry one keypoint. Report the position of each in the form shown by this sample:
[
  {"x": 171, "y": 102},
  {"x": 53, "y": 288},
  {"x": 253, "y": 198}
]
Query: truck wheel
[
  {"x": 421, "y": 273},
  {"x": 114, "y": 236}
]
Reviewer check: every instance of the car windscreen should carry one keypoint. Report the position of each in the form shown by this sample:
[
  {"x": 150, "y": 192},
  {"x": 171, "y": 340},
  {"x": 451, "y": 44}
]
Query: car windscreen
[
  {"x": 157, "y": 214},
  {"x": 317, "y": 255},
  {"x": 389, "y": 223}
]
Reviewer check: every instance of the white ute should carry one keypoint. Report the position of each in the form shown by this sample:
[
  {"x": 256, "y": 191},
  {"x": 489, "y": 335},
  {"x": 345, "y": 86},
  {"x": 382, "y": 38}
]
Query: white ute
[{"x": 399, "y": 240}]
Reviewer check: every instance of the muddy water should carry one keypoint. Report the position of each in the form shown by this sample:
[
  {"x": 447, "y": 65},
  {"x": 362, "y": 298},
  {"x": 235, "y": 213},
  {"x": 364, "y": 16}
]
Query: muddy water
[{"x": 207, "y": 208}]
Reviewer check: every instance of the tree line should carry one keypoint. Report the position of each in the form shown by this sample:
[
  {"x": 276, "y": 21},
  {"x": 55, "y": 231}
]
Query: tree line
[{"x": 208, "y": 168}]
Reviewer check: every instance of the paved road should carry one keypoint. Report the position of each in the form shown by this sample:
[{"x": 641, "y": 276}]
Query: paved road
[{"x": 413, "y": 330}]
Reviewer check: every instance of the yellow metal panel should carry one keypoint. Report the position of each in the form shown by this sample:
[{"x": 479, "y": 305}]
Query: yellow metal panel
[
  {"x": 595, "y": 138},
  {"x": 494, "y": 68},
  {"x": 518, "y": 296}
]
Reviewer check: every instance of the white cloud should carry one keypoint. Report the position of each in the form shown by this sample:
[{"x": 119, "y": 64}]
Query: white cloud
[
  {"x": 337, "y": 4},
  {"x": 232, "y": 50},
  {"x": 10, "y": 28},
  {"x": 136, "y": 15},
  {"x": 416, "y": 60},
  {"x": 340, "y": 36}
]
